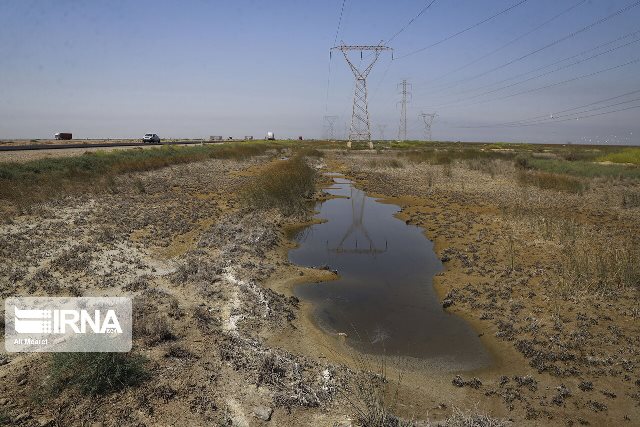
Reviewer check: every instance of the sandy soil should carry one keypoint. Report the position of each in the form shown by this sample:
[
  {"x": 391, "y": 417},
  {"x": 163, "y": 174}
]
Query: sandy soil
[{"x": 228, "y": 344}]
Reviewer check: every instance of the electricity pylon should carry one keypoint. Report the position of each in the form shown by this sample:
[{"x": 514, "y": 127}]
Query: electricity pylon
[
  {"x": 360, "y": 125},
  {"x": 357, "y": 225},
  {"x": 402, "y": 129},
  {"x": 428, "y": 121},
  {"x": 330, "y": 123},
  {"x": 381, "y": 129}
]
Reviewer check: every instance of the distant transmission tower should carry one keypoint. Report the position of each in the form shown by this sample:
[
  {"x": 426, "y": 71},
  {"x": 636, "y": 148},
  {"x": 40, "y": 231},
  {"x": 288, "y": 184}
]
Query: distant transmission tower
[
  {"x": 360, "y": 125},
  {"x": 381, "y": 129},
  {"x": 330, "y": 123},
  {"x": 402, "y": 129},
  {"x": 428, "y": 121}
]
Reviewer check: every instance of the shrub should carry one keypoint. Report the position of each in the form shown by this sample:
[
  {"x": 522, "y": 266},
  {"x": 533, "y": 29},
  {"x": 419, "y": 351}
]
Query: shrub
[
  {"x": 483, "y": 165},
  {"x": 148, "y": 324},
  {"x": 284, "y": 185},
  {"x": 96, "y": 373},
  {"x": 551, "y": 181},
  {"x": 385, "y": 163},
  {"x": 522, "y": 162}
]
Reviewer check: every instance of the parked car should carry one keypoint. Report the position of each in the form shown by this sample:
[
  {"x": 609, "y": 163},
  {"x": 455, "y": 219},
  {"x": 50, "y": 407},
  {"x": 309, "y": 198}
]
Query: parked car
[{"x": 151, "y": 137}]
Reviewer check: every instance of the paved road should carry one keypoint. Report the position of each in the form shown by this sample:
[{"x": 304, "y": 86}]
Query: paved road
[{"x": 99, "y": 145}]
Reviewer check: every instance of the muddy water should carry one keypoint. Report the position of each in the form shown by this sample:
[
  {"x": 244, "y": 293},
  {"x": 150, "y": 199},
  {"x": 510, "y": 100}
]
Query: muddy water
[{"x": 384, "y": 299}]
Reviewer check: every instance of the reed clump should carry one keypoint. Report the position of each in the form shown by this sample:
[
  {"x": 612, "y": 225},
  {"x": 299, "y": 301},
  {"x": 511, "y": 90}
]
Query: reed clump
[{"x": 286, "y": 185}]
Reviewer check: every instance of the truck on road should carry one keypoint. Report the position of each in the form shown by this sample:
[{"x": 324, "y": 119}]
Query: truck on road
[{"x": 63, "y": 135}]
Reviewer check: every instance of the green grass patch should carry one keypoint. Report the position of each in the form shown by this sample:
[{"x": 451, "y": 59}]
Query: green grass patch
[
  {"x": 285, "y": 185},
  {"x": 627, "y": 155},
  {"x": 584, "y": 169},
  {"x": 551, "y": 181},
  {"x": 45, "y": 178},
  {"x": 96, "y": 373},
  {"x": 442, "y": 156}
]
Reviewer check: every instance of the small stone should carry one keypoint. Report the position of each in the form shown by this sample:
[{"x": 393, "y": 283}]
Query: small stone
[
  {"x": 447, "y": 303},
  {"x": 345, "y": 423},
  {"x": 445, "y": 258},
  {"x": 262, "y": 412},
  {"x": 4, "y": 401},
  {"x": 3, "y": 360},
  {"x": 22, "y": 381}
]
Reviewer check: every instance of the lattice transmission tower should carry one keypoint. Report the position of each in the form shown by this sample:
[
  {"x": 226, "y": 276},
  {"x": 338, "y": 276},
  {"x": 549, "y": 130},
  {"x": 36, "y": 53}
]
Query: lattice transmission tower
[
  {"x": 402, "y": 129},
  {"x": 427, "y": 118},
  {"x": 360, "y": 125},
  {"x": 330, "y": 127},
  {"x": 381, "y": 129}
]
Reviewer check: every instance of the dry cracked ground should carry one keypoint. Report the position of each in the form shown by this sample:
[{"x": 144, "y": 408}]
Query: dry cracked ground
[{"x": 226, "y": 343}]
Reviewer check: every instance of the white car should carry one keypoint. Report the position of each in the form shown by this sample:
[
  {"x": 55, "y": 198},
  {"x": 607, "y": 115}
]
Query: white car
[{"x": 151, "y": 137}]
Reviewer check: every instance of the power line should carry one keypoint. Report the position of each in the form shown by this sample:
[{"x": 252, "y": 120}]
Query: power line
[
  {"x": 423, "y": 10},
  {"x": 335, "y": 39},
  {"x": 632, "y": 34},
  {"x": 553, "y": 43},
  {"x": 560, "y": 83},
  {"x": 510, "y": 42},
  {"x": 553, "y": 117},
  {"x": 464, "y": 31},
  {"x": 584, "y": 117},
  {"x": 541, "y": 75},
  {"x": 555, "y": 113}
]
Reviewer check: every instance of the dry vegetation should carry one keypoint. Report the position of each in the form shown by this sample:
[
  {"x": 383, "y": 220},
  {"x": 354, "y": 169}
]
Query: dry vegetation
[{"x": 542, "y": 256}]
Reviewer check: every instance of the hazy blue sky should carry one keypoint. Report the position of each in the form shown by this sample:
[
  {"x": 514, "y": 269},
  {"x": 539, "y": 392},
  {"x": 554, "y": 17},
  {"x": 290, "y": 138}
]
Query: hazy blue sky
[{"x": 198, "y": 68}]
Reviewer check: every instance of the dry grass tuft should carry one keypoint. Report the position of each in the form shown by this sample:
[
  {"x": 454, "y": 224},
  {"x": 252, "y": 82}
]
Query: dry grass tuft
[
  {"x": 550, "y": 181},
  {"x": 286, "y": 185},
  {"x": 598, "y": 265},
  {"x": 96, "y": 373},
  {"x": 385, "y": 163}
]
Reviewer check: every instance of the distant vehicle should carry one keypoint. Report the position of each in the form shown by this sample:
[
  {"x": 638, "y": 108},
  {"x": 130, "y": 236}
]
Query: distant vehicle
[
  {"x": 271, "y": 136},
  {"x": 151, "y": 137},
  {"x": 62, "y": 135}
]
